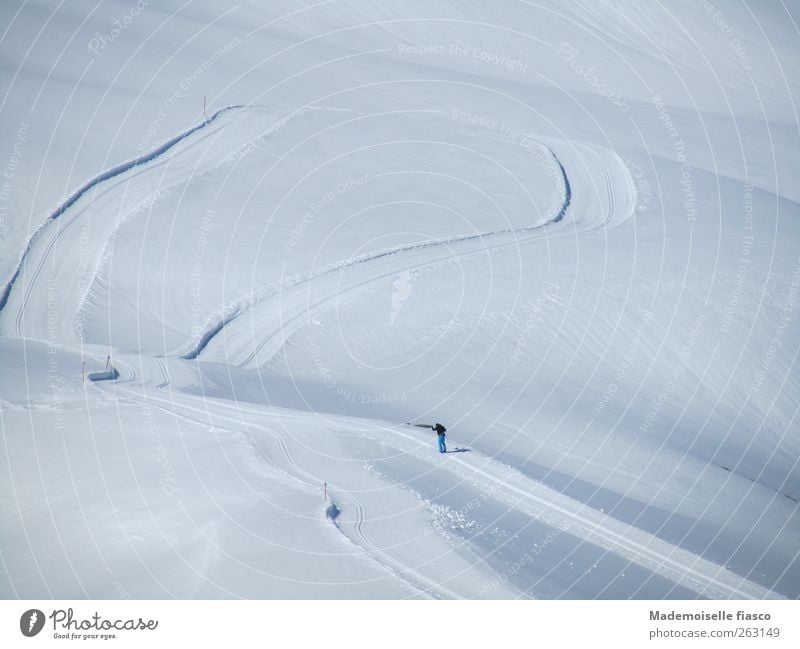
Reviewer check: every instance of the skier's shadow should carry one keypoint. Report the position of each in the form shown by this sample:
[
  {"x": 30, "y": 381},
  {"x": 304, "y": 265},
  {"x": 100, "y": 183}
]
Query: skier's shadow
[{"x": 461, "y": 450}]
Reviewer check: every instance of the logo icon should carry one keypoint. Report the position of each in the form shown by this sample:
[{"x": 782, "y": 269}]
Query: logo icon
[
  {"x": 402, "y": 289},
  {"x": 31, "y": 622}
]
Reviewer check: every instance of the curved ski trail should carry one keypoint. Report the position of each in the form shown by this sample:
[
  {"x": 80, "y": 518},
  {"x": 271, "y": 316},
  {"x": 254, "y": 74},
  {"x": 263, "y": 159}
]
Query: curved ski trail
[
  {"x": 598, "y": 193},
  {"x": 103, "y": 204},
  {"x": 100, "y": 178}
]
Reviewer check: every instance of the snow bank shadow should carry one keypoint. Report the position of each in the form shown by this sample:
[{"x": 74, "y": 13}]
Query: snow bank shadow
[
  {"x": 107, "y": 375},
  {"x": 332, "y": 512}
]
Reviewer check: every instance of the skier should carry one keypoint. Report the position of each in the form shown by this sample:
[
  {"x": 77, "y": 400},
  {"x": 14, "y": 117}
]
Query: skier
[{"x": 440, "y": 431}]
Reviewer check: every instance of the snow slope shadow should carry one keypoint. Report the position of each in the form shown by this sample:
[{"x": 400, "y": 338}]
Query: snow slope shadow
[{"x": 597, "y": 192}]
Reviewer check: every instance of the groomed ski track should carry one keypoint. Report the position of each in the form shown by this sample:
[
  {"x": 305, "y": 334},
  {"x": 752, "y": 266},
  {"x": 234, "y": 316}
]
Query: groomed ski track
[{"x": 511, "y": 488}]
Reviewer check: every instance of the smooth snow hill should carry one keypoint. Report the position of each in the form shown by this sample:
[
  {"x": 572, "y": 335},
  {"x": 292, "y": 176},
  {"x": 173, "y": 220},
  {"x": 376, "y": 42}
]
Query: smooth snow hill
[{"x": 570, "y": 233}]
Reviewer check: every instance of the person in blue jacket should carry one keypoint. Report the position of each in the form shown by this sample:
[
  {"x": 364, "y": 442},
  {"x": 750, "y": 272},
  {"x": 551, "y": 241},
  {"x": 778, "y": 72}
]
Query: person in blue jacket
[{"x": 440, "y": 435}]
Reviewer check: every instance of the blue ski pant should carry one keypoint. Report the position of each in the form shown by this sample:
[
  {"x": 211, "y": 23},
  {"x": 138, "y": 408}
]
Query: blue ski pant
[{"x": 442, "y": 447}]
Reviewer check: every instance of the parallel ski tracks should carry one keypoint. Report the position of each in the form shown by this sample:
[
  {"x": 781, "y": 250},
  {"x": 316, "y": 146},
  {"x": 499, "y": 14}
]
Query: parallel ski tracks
[{"x": 522, "y": 493}]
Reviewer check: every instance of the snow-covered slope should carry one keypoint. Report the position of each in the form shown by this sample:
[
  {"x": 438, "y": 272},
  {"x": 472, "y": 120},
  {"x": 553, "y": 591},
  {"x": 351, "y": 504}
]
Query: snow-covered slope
[{"x": 570, "y": 233}]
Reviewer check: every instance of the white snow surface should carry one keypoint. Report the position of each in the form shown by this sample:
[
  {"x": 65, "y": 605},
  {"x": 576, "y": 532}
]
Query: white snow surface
[{"x": 568, "y": 232}]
